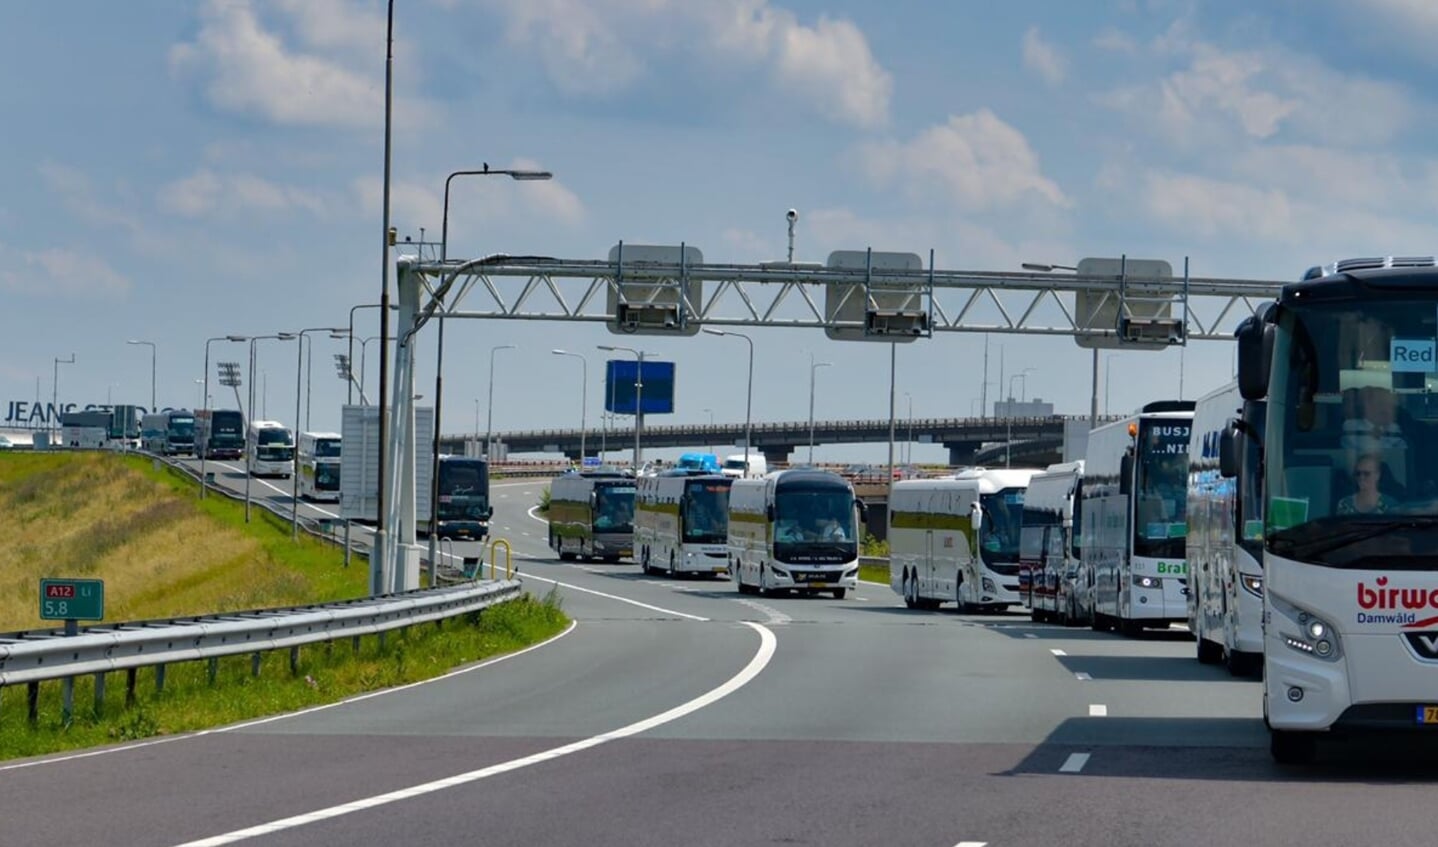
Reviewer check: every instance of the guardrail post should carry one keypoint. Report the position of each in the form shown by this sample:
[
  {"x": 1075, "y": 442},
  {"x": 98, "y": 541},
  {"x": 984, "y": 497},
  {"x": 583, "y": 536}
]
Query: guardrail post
[
  {"x": 254, "y": 664},
  {"x": 159, "y": 678},
  {"x": 32, "y": 701},
  {"x": 212, "y": 670},
  {"x": 294, "y": 661},
  {"x": 347, "y": 542},
  {"x": 99, "y": 694},
  {"x": 130, "y": 687}
]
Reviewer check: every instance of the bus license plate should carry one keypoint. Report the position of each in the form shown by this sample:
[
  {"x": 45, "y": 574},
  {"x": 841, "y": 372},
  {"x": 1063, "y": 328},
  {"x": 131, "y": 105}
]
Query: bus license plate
[
  {"x": 1428, "y": 714},
  {"x": 818, "y": 585}
]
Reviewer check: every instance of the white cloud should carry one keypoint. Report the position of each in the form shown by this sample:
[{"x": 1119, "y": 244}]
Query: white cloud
[
  {"x": 250, "y": 70},
  {"x": 975, "y": 161},
  {"x": 1225, "y": 96},
  {"x": 1208, "y": 207},
  {"x": 1115, "y": 41},
  {"x": 206, "y": 192},
  {"x": 1043, "y": 58},
  {"x": 58, "y": 272},
  {"x": 597, "y": 47}
]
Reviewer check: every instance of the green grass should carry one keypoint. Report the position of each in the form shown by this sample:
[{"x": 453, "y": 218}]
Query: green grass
[
  {"x": 874, "y": 573},
  {"x": 164, "y": 552},
  {"x": 326, "y": 673}
]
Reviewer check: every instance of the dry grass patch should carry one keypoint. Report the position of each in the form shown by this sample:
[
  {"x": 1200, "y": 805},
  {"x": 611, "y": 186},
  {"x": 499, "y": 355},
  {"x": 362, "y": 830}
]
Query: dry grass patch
[{"x": 161, "y": 550}]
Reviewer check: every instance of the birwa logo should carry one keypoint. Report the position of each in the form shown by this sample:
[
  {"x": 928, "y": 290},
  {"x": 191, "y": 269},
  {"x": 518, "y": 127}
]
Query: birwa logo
[{"x": 1383, "y": 603}]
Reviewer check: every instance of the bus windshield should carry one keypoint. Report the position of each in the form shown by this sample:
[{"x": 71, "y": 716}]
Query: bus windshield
[
  {"x": 1161, "y": 503},
  {"x": 463, "y": 490},
  {"x": 1000, "y": 529},
  {"x": 614, "y": 508},
  {"x": 327, "y": 448},
  {"x": 1352, "y": 479},
  {"x": 818, "y": 515},
  {"x": 182, "y": 426},
  {"x": 273, "y": 437},
  {"x": 327, "y": 476},
  {"x": 705, "y": 512}
]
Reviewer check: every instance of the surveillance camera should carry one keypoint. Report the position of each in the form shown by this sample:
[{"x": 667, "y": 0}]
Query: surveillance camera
[{"x": 792, "y": 215}]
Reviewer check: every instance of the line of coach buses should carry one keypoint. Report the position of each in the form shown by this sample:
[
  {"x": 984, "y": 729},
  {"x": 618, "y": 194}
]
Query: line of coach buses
[{"x": 1290, "y": 518}]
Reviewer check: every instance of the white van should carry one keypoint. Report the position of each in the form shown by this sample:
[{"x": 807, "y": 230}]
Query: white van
[{"x": 734, "y": 466}]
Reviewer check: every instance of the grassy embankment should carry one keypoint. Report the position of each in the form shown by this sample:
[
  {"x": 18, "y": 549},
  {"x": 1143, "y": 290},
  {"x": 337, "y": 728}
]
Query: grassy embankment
[
  {"x": 871, "y": 546},
  {"x": 162, "y": 553}
]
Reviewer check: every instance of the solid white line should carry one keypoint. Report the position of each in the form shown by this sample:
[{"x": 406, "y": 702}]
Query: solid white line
[
  {"x": 1082, "y": 675},
  {"x": 1097, "y": 710},
  {"x": 531, "y": 513},
  {"x": 279, "y": 490},
  {"x": 1057, "y": 652},
  {"x": 272, "y": 718},
  {"x": 609, "y": 596},
  {"x": 971, "y": 844},
  {"x": 767, "y": 644},
  {"x": 1074, "y": 763}
]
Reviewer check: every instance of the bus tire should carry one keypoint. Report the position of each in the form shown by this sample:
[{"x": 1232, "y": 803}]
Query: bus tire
[
  {"x": 1209, "y": 652},
  {"x": 1292, "y": 748},
  {"x": 910, "y": 592},
  {"x": 839, "y": 593},
  {"x": 670, "y": 573},
  {"x": 1241, "y": 663}
]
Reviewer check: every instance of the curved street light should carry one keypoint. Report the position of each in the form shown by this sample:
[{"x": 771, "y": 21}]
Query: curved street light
[{"x": 749, "y": 392}]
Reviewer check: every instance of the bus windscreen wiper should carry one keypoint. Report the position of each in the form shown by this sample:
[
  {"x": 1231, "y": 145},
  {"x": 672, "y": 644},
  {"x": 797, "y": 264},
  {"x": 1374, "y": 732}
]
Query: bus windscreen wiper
[{"x": 1285, "y": 544}]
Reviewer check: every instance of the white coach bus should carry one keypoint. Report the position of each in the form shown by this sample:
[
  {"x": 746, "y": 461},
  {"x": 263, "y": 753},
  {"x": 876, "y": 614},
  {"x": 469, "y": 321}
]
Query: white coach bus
[
  {"x": 1345, "y": 363},
  {"x": 269, "y": 449},
  {"x": 1224, "y": 547},
  {"x": 681, "y": 522},
  {"x": 956, "y": 539},
  {"x": 1135, "y": 496},
  {"x": 1050, "y": 545},
  {"x": 320, "y": 466},
  {"x": 794, "y": 529}
]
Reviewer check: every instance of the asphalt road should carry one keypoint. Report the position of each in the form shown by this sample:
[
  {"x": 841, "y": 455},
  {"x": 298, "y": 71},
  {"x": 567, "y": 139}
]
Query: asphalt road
[{"x": 677, "y": 712}]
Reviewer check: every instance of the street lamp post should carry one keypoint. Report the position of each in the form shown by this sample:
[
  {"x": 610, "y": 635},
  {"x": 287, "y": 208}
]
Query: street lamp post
[
  {"x": 349, "y": 397},
  {"x": 583, "y": 399},
  {"x": 813, "y": 369},
  {"x": 151, "y": 345},
  {"x": 250, "y": 412},
  {"x": 709, "y": 436},
  {"x": 749, "y": 392},
  {"x": 1009, "y": 439},
  {"x": 909, "y": 445},
  {"x": 201, "y": 448},
  {"x": 517, "y": 175},
  {"x": 489, "y": 417},
  {"x": 295, "y": 458},
  {"x": 638, "y": 395},
  {"x": 58, "y": 416}
]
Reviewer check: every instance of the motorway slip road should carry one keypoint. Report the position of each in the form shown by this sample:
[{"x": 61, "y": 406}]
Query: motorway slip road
[{"x": 676, "y": 711}]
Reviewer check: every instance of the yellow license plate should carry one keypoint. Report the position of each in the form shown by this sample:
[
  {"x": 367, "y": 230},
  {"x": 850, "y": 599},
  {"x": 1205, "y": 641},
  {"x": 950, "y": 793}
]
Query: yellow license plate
[
  {"x": 818, "y": 585},
  {"x": 1428, "y": 714}
]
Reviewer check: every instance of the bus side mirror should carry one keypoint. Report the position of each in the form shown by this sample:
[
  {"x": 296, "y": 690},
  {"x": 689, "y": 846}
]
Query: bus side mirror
[
  {"x": 1255, "y": 353},
  {"x": 1228, "y": 445},
  {"x": 863, "y": 511},
  {"x": 1125, "y": 474},
  {"x": 769, "y": 512},
  {"x": 976, "y": 515}
]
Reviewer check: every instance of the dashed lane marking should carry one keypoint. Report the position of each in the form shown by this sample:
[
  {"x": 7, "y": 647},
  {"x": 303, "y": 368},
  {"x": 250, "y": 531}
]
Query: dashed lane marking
[
  {"x": 1074, "y": 763},
  {"x": 1097, "y": 710}
]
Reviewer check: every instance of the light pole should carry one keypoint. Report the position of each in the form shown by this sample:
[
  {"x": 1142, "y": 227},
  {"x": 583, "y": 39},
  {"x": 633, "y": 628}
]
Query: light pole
[
  {"x": 813, "y": 369},
  {"x": 151, "y": 345},
  {"x": 381, "y": 542},
  {"x": 638, "y": 395},
  {"x": 200, "y": 403},
  {"x": 893, "y": 370},
  {"x": 517, "y": 175},
  {"x": 583, "y": 399},
  {"x": 55, "y": 391},
  {"x": 250, "y": 412},
  {"x": 349, "y": 398},
  {"x": 1107, "y": 365},
  {"x": 295, "y": 458},
  {"x": 749, "y": 392},
  {"x": 909, "y": 445},
  {"x": 489, "y": 418},
  {"x": 364, "y": 343},
  {"x": 1009, "y": 439},
  {"x": 709, "y": 436},
  {"x": 203, "y": 449}
]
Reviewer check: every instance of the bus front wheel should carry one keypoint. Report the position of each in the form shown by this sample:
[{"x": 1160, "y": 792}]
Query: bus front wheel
[{"x": 839, "y": 593}]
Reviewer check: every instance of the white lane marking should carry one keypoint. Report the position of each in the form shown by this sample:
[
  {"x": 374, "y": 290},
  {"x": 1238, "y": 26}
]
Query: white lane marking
[
  {"x": 772, "y": 615},
  {"x": 1030, "y": 635},
  {"x": 1074, "y": 763},
  {"x": 1082, "y": 675},
  {"x": 608, "y": 596},
  {"x": 504, "y": 496},
  {"x": 875, "y": 584},
  {"x": 531, "y": 513},
  {"x": 279, "y": 490},
  {"x": 767, "y": 644},
  {"x": 972, "y": 844},
  {"x": 1097, "y": 710},
  {"x": 272, "y": 718},
  {"x": 1057, "y": 652}
]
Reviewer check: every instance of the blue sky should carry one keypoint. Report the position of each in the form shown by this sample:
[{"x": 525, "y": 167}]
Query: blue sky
[{"x": 180, "y": 170}]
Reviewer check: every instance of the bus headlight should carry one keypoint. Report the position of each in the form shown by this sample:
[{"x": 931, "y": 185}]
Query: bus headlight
[
  {"x": 1148, "y": 581},
  {"x": 1252, "y": 584},
  {"x": 1304, "y": 631},
  {"x": 990, "y": 587}
]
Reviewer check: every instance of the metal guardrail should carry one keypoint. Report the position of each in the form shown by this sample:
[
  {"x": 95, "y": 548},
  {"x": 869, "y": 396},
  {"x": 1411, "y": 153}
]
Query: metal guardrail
[{"x": 35, "y": 656}]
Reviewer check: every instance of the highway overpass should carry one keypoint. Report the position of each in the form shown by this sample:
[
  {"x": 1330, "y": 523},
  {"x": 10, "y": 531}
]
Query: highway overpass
[{"x": 964, "y": 437}]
